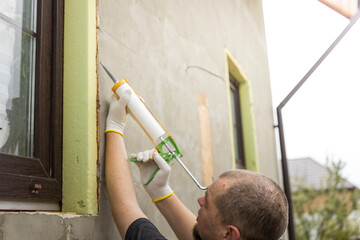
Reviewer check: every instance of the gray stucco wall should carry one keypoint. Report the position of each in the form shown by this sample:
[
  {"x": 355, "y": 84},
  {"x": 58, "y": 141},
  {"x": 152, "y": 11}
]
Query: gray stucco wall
[{"x": 153, "y": 44}]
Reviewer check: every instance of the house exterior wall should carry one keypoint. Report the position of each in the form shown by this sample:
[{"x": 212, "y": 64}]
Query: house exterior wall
[{"x": 171, "y": 52}]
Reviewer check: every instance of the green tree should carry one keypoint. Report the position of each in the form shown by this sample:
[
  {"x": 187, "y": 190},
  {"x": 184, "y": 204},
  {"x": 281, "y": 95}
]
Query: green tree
[{"x": 331, "y": 212}]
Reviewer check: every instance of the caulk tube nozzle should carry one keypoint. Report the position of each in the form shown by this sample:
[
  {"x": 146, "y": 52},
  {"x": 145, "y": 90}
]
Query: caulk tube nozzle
[{"x": 109, "y": 73}]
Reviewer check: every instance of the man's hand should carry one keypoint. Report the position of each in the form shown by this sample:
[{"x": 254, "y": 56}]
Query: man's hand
[
  {"x": 147, "y": 162},
  {"x": 117, "y": 115}
]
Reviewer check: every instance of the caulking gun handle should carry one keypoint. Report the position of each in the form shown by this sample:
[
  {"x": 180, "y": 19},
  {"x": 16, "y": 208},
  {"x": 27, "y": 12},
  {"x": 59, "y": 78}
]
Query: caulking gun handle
[
  {"x": 156, "y": 170},
  {"x": 163, "y": 155},
  {"x": 152, "y": 175},
  {"x": 167, "y": 159}
]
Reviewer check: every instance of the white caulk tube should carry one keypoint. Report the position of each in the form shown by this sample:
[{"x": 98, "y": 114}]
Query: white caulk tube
[{"x": 139, "y": 111}]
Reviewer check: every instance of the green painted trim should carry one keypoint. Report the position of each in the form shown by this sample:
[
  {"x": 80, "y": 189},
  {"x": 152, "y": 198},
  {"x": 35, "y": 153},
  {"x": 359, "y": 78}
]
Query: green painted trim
[
  {"x": 80, "y": 116},
  {"x": 247, "y": 113},
  {"x": 248, "y": 125}
]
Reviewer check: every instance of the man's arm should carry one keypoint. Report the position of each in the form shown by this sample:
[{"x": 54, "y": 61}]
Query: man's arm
[
  {"x": 123, "y": 202},
  {"x": 179, "y": 217}
]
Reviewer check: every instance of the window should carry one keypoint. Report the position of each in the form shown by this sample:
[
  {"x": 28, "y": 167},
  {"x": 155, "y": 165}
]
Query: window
[
  {"x": 242, "y": 120},
  {"x": 31, "y": 99},
  {"x": 237, "y": 126}
]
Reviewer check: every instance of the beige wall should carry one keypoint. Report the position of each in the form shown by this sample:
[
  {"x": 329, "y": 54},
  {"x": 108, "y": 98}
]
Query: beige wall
[{"x": 155, "y": 45}]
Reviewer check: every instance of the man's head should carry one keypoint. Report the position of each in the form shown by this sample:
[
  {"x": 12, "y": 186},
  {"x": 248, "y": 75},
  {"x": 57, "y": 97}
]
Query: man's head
[{"x": 243, "y": 204}]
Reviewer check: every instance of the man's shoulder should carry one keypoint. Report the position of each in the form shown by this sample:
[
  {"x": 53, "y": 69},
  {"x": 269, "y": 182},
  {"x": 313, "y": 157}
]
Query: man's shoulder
[{"x": 143, "y": 229}]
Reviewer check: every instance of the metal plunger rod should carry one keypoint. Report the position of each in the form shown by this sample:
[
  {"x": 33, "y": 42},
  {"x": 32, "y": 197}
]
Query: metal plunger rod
[{"x": 183, "y": 165}]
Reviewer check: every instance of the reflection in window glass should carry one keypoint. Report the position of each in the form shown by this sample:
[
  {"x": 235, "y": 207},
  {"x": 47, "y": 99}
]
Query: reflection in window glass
[
  {"x": 21, "y": 12},
  {"x": 236, "y": 124},
  {"x": 235, "y": 127},
  {"x": 17, "y": 72}
]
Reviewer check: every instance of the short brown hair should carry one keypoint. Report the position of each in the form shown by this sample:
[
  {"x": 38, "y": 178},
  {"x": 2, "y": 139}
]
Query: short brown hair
[{"x": 254, "y": 204}]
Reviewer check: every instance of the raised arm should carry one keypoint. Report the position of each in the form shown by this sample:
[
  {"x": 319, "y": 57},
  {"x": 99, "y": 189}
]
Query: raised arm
[
  {"x": 179, "y": 217},
  {"x": 124, "y": 205}
]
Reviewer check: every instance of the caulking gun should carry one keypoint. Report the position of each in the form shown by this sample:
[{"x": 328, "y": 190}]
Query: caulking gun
[{"x": 152, "y": 127}]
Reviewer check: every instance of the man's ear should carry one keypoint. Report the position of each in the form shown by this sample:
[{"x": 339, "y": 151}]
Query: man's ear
[{"x": 232, "y": 233}]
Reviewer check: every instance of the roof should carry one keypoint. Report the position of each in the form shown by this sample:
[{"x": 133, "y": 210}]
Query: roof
[{"x": 310, "y": 173}]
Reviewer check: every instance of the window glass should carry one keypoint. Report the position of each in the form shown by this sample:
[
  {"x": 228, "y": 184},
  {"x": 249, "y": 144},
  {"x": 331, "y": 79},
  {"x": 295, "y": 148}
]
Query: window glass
[
  {"x": 236, "y": 124},
  {"x": 235, "y": 127},
  {"x": 17, "y": 73},
  {"x": 21, "y": 13}
]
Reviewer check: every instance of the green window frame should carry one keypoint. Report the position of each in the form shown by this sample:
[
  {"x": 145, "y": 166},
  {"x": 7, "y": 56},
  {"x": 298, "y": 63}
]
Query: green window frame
[{"x": 248, "y": 127}]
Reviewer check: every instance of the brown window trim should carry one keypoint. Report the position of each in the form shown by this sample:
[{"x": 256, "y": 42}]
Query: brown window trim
[{"x": 40, "y": 177}]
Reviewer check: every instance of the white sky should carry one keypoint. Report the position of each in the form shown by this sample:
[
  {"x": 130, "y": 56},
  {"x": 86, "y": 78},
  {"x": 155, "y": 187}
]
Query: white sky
[{"x": 323, "y": 119}]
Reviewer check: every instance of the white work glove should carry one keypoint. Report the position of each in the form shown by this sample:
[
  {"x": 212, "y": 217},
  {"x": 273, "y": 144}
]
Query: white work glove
[
  {"x": 147, "y": 162},
  {"x": 116, "y": 119}
]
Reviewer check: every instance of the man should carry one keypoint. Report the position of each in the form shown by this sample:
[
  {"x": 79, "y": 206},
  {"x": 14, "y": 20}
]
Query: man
[{"x": 239, "y": 205}]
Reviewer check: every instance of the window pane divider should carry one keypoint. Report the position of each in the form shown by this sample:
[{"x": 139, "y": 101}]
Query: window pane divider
[{"x": 14, "y": 23}]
